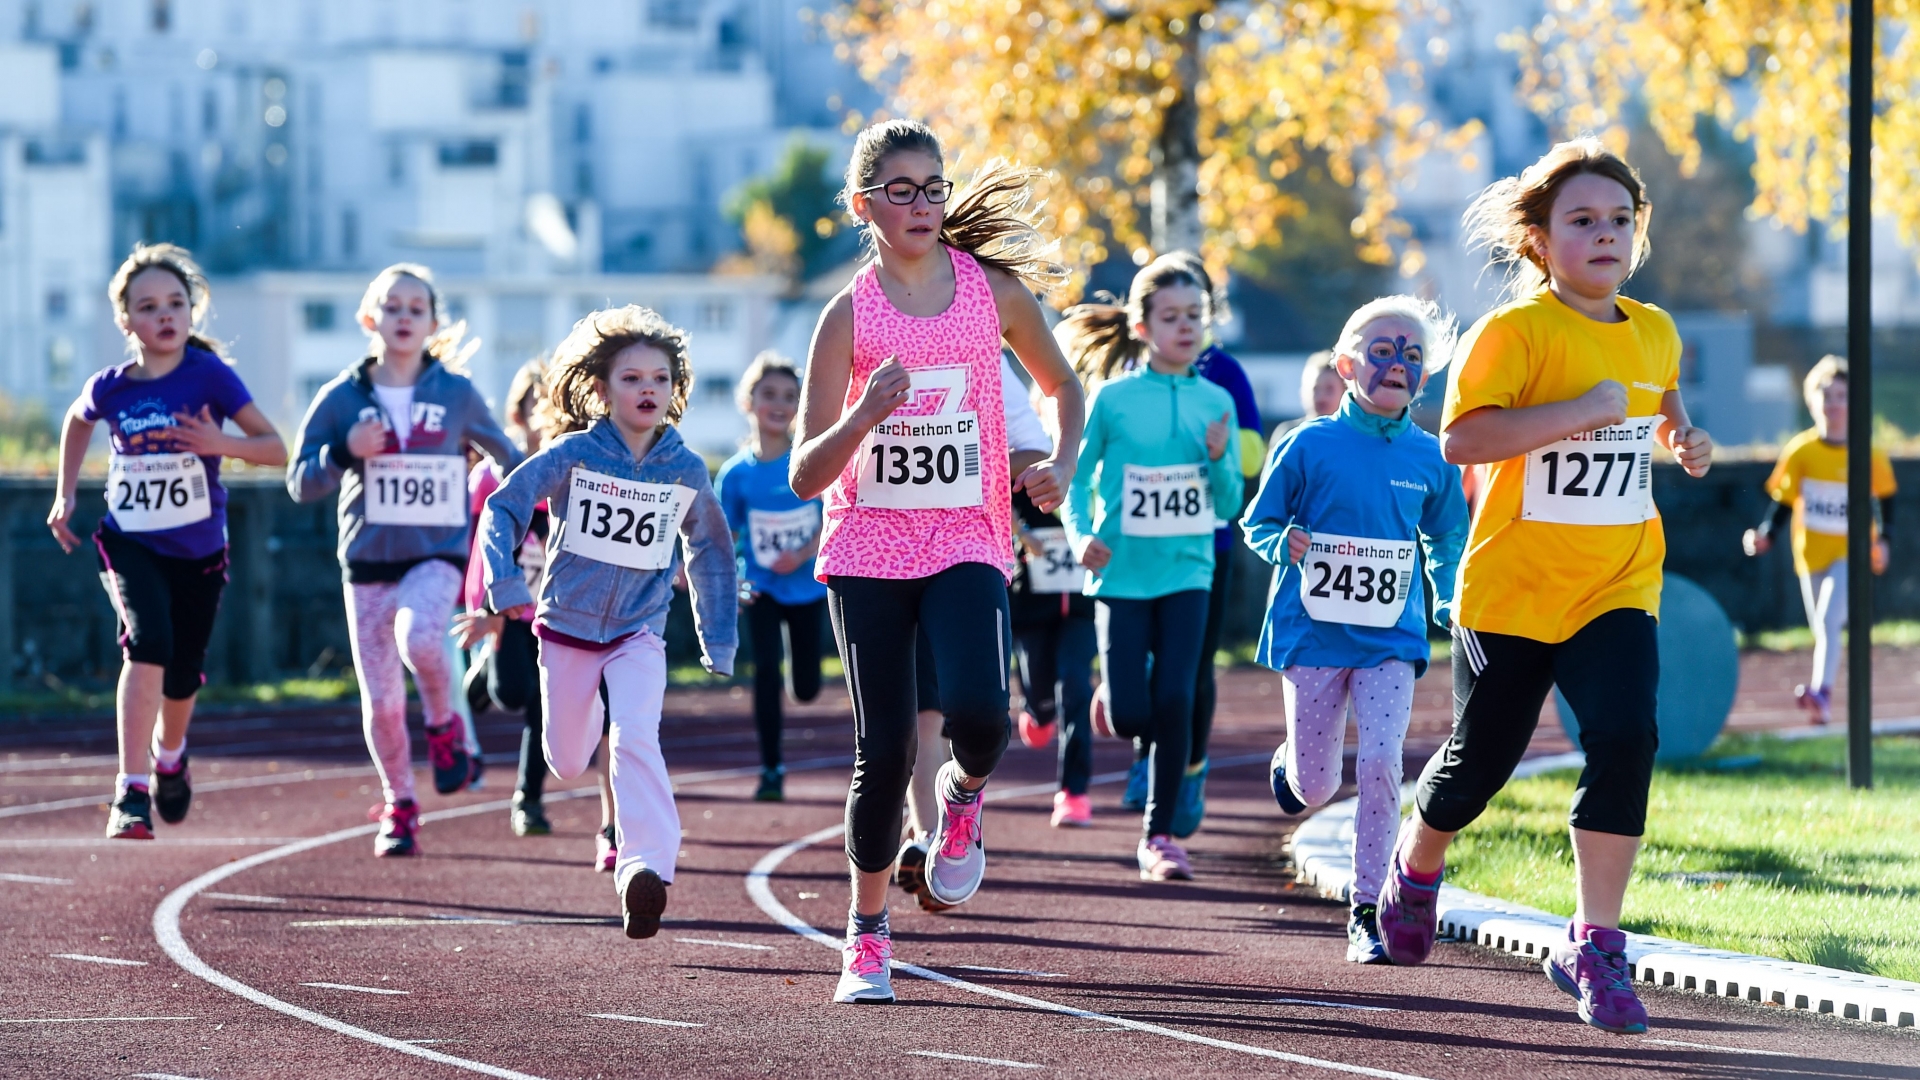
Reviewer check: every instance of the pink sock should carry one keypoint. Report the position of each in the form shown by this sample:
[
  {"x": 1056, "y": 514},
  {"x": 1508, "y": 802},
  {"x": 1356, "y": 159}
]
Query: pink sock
[
  {"x": 1419, "y": 878},
  {"x": 1582, "y": 929}
]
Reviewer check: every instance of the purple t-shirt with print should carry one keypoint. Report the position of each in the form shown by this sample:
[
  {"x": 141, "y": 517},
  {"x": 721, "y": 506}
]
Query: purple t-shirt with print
[{"x": 139, "y": 417}]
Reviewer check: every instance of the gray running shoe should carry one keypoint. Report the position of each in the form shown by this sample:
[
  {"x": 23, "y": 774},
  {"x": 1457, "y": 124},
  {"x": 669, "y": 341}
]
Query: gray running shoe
[
  {"x": 956, "y": 855},
  {"x": 866, "y": 971}
]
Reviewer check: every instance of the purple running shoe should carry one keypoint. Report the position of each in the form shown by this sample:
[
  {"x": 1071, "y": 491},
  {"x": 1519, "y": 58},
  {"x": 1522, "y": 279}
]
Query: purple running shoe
[
  {"x": 1409, "y": 916},
  {"x": 1595, "y": 971}
]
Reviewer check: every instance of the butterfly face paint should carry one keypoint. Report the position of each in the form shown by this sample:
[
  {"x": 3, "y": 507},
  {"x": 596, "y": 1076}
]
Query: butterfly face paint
[{"x": 1383, "y": 353}]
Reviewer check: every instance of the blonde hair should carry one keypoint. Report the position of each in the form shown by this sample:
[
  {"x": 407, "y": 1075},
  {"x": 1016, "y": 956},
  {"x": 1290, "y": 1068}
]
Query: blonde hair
[
  {"x": 1098, "y": 338},
  {"x": 767, "y": 363},
  {"x": 1830, "y": 369},
  {"x": 530, "y": 380},
  {"x": 584, "y": 356},
  {"x": 177, "y": 261},
  {"x": 1499, "y": 217},
  {"x": 1317, "y": 365},
  {"x": 992, "y": 219},
  {"x": 444, "y": 345},
  {"x": 1437, "y": 328}
]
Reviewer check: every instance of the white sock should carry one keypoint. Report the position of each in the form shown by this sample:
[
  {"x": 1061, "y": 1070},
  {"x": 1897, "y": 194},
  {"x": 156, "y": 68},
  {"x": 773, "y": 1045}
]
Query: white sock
[
  {"x": 168, "y": 760},
  {"x": 121, "y": 782}
]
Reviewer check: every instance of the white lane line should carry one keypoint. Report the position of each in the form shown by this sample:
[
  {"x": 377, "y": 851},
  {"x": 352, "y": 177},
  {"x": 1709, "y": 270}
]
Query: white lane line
[
  {"x": 1010, "y": 971},
  {"x": 761, "y": 891},
  {"x": 1721, "y": 1049},
  {"x": 163, "y": 1076},
  {"x": 269, "y": 780},
  {"x": 357, "y": 989},
  {"x": 96, "y": 1019},
  {"x": 98, "y": 959},
  {"x": 976, "y": 1060},
  {"x": 723, "y": 944},
  {"x": 35, "y": 879},
  {"x": 1329, "y": 1004},
  {"x": 64, "y": 761},
  {"x": 649, "y": 1019},
  {"x": 367, "y": 921},
  {"x": 245, "y": 898}
]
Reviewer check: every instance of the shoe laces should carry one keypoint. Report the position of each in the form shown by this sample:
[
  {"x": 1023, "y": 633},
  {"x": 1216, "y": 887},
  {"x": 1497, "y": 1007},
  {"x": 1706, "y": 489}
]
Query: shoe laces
[
  {"x": 868, "y": 954},
  {"x": 440, "y": 745},
  {"x": 1610, "y": 970},
  {"x": 963, "y": 828}
]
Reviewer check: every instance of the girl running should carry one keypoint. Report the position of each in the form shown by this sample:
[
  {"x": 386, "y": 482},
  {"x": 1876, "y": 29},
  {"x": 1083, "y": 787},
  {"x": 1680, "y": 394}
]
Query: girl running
[
  {"x": 777, "y": 535},
  {"x": 1155, "y": 456},
  {"x": 162, "y": 544},
  {"x": 1562, "y": 394},
  {"x": 1053, "y": 627},
  {"x": 1809, "y": 484},
  {"x": 391, "y": 434},
  {"x": 1344, "y": 506},
  {"x": 622, "y": 488},
  {"x": 901, "y": 427}
]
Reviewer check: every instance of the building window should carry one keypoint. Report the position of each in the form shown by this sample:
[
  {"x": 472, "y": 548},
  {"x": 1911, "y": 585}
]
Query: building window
[
  {"x": 716, "y": 315},
  {"x": 319, "y": 316},
  {"x": 349, "y": 234},
  {"x": 583, "y": 179},
  {"x": 674, "y": 14},
  {"x": 469, "y": 154},
  {"x": 209, "y": 112},
  {"x": 162, "y": 15},
  {"x": 396, "y": 165},
  {"x": 56, "y": 305}
]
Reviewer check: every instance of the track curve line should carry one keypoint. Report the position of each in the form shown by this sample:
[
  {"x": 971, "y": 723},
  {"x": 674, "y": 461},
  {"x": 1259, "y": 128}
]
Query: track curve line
[{"x": 761, "y": 891}]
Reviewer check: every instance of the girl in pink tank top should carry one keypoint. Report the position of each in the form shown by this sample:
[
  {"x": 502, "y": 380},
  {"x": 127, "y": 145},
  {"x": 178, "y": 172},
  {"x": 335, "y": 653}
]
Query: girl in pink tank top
[{"x": 901, "y": 431}]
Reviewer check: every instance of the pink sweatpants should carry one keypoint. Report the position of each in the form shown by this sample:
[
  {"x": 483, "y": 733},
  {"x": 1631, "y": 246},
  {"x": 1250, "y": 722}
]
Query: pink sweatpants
[
  {"x": 646, "y": 823},
  {"x": 1316, "y": 733},
  {"x": 396, "y": 628}
]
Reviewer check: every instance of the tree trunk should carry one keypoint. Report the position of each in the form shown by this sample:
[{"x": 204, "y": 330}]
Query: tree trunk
[{"x": 1176, "y": 155}]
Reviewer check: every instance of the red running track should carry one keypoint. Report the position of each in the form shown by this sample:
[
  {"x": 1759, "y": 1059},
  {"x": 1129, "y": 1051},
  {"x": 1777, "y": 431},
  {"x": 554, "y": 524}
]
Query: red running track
[{"x": 502, "y": 956}]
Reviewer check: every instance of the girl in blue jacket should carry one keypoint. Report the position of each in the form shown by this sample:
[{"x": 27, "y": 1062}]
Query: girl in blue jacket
[{"x": 1347, "y": 503}]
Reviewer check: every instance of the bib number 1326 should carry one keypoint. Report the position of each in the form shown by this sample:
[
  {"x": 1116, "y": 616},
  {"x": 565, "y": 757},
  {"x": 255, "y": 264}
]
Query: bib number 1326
[{"x": 624, "y": 522}]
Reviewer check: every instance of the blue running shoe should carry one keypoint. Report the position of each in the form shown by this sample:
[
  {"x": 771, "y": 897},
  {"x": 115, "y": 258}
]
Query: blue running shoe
[
  {"x": 1135, "y": 797},
  {"x": 1363, "y": 936},
  {"x": 1283, "y": 791},
  {"x": 1191, "y": 808}
]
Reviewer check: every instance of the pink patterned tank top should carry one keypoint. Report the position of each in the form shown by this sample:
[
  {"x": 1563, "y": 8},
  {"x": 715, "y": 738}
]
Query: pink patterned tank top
[{"x": 928, "y": 488}]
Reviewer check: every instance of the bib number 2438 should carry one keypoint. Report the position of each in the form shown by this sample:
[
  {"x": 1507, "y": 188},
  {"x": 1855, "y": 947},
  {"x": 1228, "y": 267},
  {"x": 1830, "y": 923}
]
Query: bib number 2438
[{"x": 1354, "y": 580}]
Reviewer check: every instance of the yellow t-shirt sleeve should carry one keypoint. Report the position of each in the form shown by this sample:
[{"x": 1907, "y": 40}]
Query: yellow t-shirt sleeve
[
  {"x": 1884, "y": 485},
  {"x": 1494, "y": 370},
  {"x": 1784, "y": 484}
]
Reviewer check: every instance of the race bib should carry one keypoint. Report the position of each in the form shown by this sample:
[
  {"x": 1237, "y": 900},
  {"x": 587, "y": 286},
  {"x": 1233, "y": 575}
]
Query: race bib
[
  {"x": 1601, "y": 477},
  {"x": 1054, "y": 569},
  {"x": 1823, "y": 507},
  {"x": 922, "y": 463},
  {"x": 150, "y": 492},
  {"x": 416, "y": 489},
  {"x": 624, "y": 522},
  {"x": 776, "y": 532},
  {"x": 1354, "y": 580},
  {"x": 1166, "y": 500}
]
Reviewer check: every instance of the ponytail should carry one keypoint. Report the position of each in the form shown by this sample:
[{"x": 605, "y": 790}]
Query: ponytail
[{"x": 1098, "y": 340}]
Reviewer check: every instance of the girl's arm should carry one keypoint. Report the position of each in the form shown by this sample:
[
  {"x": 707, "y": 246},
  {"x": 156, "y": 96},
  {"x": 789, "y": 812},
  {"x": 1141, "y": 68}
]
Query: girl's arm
[
  {"x": 259, "y": 443},
  {"x": 1025, "y": 328},
  {"x": 712, "y": 578},
  {"x": 1444, "y": 526},
  {"x": 320, "y": 455},
  {"x": 485, "y": 433},
  {"x": 74, "y": 436},
  {"x": 1077, "y": 512},
  {"x": 824, "y": 438},
  {"x": 1692, "y": 446},
  {"x": 1223, "y": 473},
  {"x": 1270, "y": 518},
  {"x": 1489, "y": 433},
  {"x": 504, "y": 524}
]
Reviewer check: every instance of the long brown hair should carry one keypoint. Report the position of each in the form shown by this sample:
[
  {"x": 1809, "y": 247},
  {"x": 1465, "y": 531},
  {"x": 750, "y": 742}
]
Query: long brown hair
[
  {"x": 992, "y": 218},
  {"x": 1098, "y": 337},
  {"x": 177, "y": 261},
  {"x": 587, "y": 352},
  {"x": 1500, "y": 215}
]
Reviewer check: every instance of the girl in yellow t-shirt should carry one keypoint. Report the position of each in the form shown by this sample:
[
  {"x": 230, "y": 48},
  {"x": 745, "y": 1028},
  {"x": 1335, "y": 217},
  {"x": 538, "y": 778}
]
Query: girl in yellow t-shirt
[
  {"x": 1810, "y": 484},
  {"x": 1561, "y": 396}
]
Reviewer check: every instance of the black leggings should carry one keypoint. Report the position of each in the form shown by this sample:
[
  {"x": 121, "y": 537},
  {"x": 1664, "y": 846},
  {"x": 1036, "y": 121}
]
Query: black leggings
[
  {"x": 1148, "y": 652},
  {"x": 1609, "y": 671},
  {"x": 1204, "y": 692},
  {"x": 801, "y": 645},
  {"x": 166, "y": 607},
  {"x": 964, "y": 612},
  {"x": 513, "y": 682},
  {"x": 1056, "y": 668}
]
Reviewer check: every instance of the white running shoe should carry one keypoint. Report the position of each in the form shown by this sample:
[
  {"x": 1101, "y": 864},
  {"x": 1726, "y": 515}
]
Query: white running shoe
[
  {"x": 956, "y": 855},
  {"x": 866, "y": 971}
]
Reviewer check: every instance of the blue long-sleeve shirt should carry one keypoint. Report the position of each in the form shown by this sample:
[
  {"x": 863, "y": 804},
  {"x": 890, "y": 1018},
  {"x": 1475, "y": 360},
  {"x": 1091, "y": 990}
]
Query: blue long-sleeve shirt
[{"x": 1361, "y": 476}]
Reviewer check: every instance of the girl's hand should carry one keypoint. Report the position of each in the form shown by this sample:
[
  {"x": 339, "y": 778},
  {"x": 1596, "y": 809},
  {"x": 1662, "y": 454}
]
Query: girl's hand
[
  {"x": 1879, "y": 557},
  {"x": 1693, "y": 447},
  {"x": 1754, "y": 542},
  {"x": 887, "y": 389},
  {"x": 196, "y": 433},
  {"x": 787, "y": 562},
  {"x": 1034, "y": 548},
  {"x": 470, "y": 628},
  {"x": 1045, "y": 482},
  {"x": 1298, "y": 540},
  {"x": 57, "y": 519},
  {"x": 366, "y": 438},
  {"x": 1094, "y": 554},
  {"x": 1217, "y": 437},
  {"x": 1606, "y": 404}
]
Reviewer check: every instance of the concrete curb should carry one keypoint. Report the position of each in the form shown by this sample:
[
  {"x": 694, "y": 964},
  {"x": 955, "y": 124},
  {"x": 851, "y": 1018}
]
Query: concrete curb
[{"x": 1322, "y": 850}]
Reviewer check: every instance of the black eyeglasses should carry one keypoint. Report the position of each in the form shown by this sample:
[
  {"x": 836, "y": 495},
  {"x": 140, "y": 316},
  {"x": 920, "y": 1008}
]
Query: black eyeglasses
[{"x": 902, "y": 192}]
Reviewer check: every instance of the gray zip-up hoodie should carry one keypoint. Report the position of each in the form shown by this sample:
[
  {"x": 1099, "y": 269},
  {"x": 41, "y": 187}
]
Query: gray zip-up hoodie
[
  {"x": 448, "y": 415},
  {"x": 598, "y": 601}
]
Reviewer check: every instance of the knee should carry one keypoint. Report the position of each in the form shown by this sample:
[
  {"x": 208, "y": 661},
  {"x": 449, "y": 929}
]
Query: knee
[
  {"x": 1377, "y": 772},
  {"x": 567, "y": 762},
  {"x": 1316, "y": 784},
  {"x": 181, "y": 681}
]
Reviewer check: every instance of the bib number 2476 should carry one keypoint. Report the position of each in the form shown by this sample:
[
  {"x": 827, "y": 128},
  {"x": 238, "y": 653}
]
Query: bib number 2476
[{"x": 150, "y": 492}]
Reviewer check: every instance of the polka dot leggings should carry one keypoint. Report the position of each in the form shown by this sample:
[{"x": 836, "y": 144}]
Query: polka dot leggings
[{"x": 1316, "y": 732}]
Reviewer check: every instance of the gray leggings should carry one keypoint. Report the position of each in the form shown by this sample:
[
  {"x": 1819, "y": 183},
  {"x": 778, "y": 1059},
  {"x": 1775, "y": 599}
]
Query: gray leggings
[{"x": 1825, "y": 594}]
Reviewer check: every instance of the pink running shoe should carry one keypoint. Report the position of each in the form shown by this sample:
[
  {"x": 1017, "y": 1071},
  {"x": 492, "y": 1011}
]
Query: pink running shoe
[
  {"x": 866, "y": 971},
  {"x": 1408, "y": 915},
  {"x": 605, "y": 854},
  {"x": 1818, "y": 703},
  {"x": 399, "y": 824},
  {"x": 1163, "y": 860},
  {"x": 1596, "y": 972},
  {"x": 1072, "y": 810},
  {"x": 1033, "y": 733},
  {"x": 447, "y": 753}
]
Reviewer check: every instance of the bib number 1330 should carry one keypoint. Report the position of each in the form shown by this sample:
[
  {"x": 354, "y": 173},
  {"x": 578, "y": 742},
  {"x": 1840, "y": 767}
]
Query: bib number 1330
[{"x": 922, "y": 463}]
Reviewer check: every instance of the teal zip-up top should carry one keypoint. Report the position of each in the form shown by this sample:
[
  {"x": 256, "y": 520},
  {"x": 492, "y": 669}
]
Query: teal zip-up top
[{"x": 1143, "y": 419}]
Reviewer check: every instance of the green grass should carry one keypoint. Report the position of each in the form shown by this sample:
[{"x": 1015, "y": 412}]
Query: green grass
[
  {"x": 1800, "y": 639},
  {"x": 1759, "y": 847},
  {"x": 59, "y": 697}
]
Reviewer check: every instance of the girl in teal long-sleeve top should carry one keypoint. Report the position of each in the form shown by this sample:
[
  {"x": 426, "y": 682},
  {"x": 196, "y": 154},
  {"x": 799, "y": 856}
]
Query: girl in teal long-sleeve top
[{"x": 1153, "y": 482}]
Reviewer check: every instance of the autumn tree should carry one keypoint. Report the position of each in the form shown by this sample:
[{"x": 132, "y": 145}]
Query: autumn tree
[
  {"x": 788, "y": 218},
  {"x": 1166, "y": 123}
]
